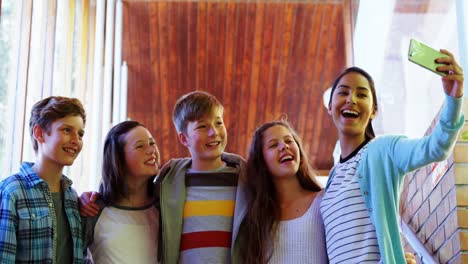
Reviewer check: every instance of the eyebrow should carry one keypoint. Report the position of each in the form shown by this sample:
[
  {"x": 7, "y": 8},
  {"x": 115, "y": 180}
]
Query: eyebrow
[
  {"x": 143, "y": 140},
  {"x": 71, "y": 126},
  {"x": 359, "y": 87},
  {"x": 363, "y": 88},
  {"x": 288, "y": 136},
  {"x": 271, "y": 140},
  {"x": 138, "y": 141},
  {"x": 205, "y": 119}
]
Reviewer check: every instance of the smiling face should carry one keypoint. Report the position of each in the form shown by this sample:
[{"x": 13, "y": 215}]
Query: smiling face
[
  {"x": 352, "y": 105},
  {"x": 141, "y": 154},
  {"x": 206, "y": 139},
  {"x": 281, "y": 152},
  {"x": 63, "y": 141}
]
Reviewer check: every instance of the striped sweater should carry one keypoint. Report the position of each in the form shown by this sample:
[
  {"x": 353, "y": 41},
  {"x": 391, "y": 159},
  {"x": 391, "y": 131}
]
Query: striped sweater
[{"x": 208, "y": 215}]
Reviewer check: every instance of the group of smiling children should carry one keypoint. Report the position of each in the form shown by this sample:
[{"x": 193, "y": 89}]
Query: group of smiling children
[{"x": 215, "y": 207}]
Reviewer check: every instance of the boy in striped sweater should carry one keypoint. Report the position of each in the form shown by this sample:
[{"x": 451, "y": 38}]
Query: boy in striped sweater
[{"x": 197, "y": 195}]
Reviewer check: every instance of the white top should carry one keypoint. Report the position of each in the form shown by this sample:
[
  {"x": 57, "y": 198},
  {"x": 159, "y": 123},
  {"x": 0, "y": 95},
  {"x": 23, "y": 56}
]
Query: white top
[
  {"x": 126, "y": 235},
  {"x": 301, "y": 240}
]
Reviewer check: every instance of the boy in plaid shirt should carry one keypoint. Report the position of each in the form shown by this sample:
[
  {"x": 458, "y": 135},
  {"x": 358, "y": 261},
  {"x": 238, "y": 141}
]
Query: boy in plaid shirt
[{"x": 39, "y": 218}]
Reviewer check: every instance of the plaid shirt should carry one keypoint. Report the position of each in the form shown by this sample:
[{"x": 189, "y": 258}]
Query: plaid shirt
[{"x": 27, "y": 219}]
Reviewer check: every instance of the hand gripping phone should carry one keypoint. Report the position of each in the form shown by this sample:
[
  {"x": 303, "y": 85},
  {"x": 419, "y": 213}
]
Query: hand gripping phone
[{"x": 425, "y": 56}]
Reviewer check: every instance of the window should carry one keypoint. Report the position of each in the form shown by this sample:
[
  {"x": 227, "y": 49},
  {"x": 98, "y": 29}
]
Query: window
[
  {"x": 409, "y": 96},
  {"x": 46, "y": 47}
]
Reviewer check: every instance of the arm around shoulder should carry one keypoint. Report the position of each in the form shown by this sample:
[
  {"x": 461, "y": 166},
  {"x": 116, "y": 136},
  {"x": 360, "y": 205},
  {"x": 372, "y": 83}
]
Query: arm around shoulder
[
  {"x": 88, "y": 223},
  {"x": 232, "y": 158}
]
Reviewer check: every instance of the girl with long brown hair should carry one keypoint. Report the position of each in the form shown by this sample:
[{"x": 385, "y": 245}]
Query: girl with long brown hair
[
  {"x": 282, "y": 223},
  {"x": 125, "y": 228}
]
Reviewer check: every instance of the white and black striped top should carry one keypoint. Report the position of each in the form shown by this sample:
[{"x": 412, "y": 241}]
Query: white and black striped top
[{"x": 349, "y": 232}]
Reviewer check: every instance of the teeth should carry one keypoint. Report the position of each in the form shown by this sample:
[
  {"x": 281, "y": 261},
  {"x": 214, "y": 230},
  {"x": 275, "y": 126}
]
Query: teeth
[
  {"x": 73, "y": 151},
  {"x": 151, "y": 162},
  {"x": 350, "y": 113},
  {"x": 212, "y": 144},
  {"x": 286, "y": 158}
]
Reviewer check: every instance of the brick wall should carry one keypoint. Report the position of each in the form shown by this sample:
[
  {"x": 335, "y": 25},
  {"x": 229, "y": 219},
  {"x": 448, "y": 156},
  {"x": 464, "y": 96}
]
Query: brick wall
[{"x": 434, "y": 203}]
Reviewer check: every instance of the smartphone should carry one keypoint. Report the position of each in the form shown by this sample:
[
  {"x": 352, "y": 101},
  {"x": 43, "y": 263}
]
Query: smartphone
[{"x": 425, "y": 56}]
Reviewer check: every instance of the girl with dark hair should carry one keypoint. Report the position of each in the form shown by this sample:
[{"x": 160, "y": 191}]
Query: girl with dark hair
[
  {"x": 282, "y": 222},
  {"x": 125, "y": 230},
  {"x": 360, "y": 204}
]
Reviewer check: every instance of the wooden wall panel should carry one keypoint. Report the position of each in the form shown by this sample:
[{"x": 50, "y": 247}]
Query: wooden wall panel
[{"x": 261, "y": 59}]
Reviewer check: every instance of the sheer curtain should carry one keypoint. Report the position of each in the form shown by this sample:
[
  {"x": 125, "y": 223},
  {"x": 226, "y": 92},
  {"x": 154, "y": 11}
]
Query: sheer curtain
[
  {"x": 57, "y": 48},
  {"x": 409, "y": 96}
]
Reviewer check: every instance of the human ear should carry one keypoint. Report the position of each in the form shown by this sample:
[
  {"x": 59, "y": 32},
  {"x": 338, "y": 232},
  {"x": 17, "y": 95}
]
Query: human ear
[
  {"x": 183, "y": 139},
  {"x": 38, "y": 134},
  {"x": 374, "y": 112}
]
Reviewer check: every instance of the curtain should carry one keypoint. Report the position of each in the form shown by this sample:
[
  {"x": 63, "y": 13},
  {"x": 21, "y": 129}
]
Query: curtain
[{"x": 54, "y": 51}]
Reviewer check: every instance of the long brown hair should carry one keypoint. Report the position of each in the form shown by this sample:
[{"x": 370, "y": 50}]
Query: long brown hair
[
  {"x": 259, "y": 226},
  {"x": 113, "y": 185}
]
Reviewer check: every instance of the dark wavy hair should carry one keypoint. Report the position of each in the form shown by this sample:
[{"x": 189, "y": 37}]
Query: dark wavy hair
[
  {"x": 259, "y": 226},
  {"x": 47, "y": 110},
  {"x": 369, "y": 129},
  {"x": 113, "y": 185}
]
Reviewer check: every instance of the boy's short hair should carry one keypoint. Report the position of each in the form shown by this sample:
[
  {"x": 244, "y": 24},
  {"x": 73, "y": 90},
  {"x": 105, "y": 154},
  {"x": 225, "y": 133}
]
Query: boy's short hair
[
  {"x": 193, "y": 106},
  {"x": 47, "y": 110}
]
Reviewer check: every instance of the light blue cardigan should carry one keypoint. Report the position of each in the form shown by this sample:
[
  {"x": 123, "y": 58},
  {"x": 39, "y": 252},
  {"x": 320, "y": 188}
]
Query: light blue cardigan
[{"x": 385, "y": 163}]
